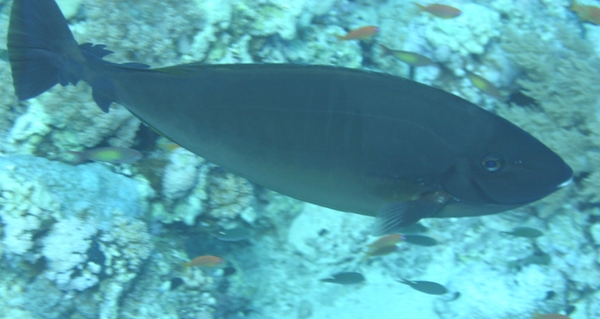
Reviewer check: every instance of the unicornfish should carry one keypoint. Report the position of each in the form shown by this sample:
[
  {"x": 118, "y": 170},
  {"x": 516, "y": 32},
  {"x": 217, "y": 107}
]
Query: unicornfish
[{"x": 351, "y": 140}]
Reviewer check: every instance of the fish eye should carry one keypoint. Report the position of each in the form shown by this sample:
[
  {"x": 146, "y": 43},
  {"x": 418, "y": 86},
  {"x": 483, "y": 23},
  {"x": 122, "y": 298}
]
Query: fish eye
[{"x": 491, "y": 163}]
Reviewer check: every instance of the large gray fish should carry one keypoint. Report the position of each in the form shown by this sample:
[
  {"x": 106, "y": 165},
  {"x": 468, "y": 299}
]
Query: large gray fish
[{"x": 351, "y": 140}]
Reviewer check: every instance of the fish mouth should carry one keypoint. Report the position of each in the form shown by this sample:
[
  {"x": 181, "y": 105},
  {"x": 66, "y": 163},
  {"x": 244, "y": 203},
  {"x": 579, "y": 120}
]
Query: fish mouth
[
  {"x": 487, "y": 198},
  {"x": 531, "y": 186},
  {"x": 565, "y": 183}
]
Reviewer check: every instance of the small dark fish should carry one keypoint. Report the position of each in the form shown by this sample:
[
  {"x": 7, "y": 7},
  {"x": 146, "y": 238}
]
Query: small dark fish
[
  {"x": 359, "y": 34},
  {"x": 420, "y": 240},
  {"x": 570, "y": 309},
  {"x": 345, "y": 278},
  {"x": 455, "y": 296},
  {"x": 537, "y": 258},
  {"x": 520, "y": 99},
  {"x": 175, "y": 282},
  {"x": 549, "y": 294},
  {"x": 234, "y": 234},
  {"x": 427, "y": 287},
  {"x": 526, "y": 232},
  {"x": 115, "y": 155},
  {"x": 410, "y": 58},
  {"x": 440, "y": 10},
  {"x": 228, "y": 271}
]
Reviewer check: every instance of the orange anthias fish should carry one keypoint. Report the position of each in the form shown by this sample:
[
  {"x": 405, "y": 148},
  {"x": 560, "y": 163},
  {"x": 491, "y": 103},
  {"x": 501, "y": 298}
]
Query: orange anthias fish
[
  {"x": 167, "y": 145},
  {"x": 359, "y": 34},
  {"x": 586, "y": 13},
  {"x": 410, "y": 58},
  {"x": 440, "y": 10},
  {"x": 205, "y": 261},
  {"x": 538, "y": 315},
  {"x": 387, "y": 240},
  {"x": 384, "y": 245}
]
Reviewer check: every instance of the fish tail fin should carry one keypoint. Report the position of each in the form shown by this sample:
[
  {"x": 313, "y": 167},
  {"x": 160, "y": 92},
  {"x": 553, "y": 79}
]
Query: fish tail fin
[
  {"x": 403, "y": 281},
  {"x": 41, "y": 48},
  {"x": 339, "y": 37},
  {"x": 385, "y": 50},
  {"x": 76, "y": 158},
  {"x": 43, "y": 52},
  {"x": 365, "y": 257}
]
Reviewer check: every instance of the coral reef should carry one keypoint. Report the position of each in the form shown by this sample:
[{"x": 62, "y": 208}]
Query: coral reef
[
  {"x": 181, "y": 174},
  {"x": 65, "y": 249},
  {"x": 52, "y": 214}
]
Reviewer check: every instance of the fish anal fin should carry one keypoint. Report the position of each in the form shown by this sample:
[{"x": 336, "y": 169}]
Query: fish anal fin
[
  {"x": 103, "y": 92},
  {"x": 393, "y": 217},
  {"x": 98, "y": 50}
]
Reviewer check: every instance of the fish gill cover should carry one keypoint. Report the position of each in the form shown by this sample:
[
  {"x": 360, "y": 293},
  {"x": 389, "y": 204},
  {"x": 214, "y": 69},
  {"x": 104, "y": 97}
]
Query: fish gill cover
[{"x": 106, "y": 241}]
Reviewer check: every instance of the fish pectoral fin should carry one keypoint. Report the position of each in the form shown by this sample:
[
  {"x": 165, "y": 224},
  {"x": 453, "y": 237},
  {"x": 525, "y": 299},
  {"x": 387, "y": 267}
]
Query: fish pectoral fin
[{"x": 391, "y": 218}]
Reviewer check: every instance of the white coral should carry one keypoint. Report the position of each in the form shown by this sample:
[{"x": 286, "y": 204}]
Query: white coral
[
  {"x": 33, "y": 123},
  {"x": 181, "y": 174},
  {"x": 21, "y": 202},
  {"x": 467, "y": 34},
  {"x": 65, "y": 249}
]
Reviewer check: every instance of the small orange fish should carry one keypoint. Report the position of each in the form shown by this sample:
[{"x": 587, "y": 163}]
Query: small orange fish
[
  {"x": 440, "y": 10},
  {"x": 205, "y": 261},
  {"x": 359, "y": 34},
  {"x": 168, "y": 146},
  {"x": 385, "y": 250},
  {"x": 165, "y": 144},
  {"x": 538, "y": 315},
  {"x": 386, "y": 240},
  {"x": 586, "y": 13},
  {"x": 384, "y": 245},
  {"x": 410, "y": 58},
  {"x": 484, "y": 85}
]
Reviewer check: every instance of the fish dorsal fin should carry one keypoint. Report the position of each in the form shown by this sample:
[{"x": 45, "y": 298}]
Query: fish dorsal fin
[
  {"x": 97, "y": 50},
  {"x": 135, "y": 65},
  {"x": 182, "y": 70}
]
